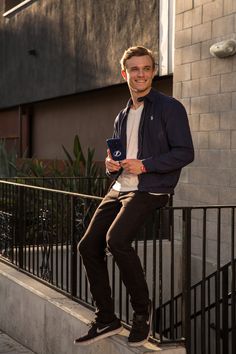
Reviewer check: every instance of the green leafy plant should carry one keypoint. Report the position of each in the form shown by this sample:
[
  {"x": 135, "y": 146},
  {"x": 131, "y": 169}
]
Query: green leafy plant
[
  {"x": 78, "y": 165},
  {"x": 85, "y": 166},
  {"x": 7, "y": 161},
  {"x": 78, "y": 172},
  {"x": 33, "y": 168}
]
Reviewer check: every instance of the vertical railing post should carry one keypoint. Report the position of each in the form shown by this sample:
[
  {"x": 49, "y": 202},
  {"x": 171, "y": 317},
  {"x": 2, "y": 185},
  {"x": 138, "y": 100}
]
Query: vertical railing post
[
  {"x": 73, "y": 252},
  {"x": 20, "y": 223},
  {"x": 186, "y": 278},
  {"x": 225, "y": 309},
  {"x": 159, "y": 238},
  {"x": 233, "y": 283}
]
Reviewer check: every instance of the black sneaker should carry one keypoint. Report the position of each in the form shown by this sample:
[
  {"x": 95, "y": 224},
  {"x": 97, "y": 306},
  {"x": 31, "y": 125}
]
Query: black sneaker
[
  {"x": 99, "y": 331},
  {"x": 141, "y": 329}
]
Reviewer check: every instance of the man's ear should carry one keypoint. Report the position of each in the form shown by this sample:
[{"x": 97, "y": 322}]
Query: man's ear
[
  {"x": 155, "y": 72},
  {"x": 123, "y": 73}
]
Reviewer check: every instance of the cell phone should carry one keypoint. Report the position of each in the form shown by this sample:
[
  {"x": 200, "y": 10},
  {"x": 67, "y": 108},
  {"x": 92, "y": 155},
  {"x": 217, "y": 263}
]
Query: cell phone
[{"x": 116, "y": 148}]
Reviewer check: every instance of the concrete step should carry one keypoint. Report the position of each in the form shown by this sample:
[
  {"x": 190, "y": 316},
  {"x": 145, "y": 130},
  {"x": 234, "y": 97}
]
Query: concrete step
[
  {"x": 47, "y": 322},
  {"x": 10, "y": 346}
]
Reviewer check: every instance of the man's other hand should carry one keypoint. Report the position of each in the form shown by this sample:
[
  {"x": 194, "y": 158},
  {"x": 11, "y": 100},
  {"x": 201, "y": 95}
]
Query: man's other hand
[
  {"x": 132, "y": 166},
  {"x": 111, "y": 165}
]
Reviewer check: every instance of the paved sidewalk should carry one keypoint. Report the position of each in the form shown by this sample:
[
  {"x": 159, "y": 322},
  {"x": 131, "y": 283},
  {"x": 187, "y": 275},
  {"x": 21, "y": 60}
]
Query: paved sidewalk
[{"x": 10, "y": 346}]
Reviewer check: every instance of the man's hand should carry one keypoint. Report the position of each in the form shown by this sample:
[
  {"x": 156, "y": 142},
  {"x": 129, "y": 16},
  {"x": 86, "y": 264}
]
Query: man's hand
[
  {"x": 132, "y": 166},
  {"x": 111, "y": 165}
]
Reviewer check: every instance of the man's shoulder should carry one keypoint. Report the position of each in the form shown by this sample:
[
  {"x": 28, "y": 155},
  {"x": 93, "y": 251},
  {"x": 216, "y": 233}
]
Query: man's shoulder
[
  {"x": 164, "y": 99},
  {"x": 170, "y": 105}
]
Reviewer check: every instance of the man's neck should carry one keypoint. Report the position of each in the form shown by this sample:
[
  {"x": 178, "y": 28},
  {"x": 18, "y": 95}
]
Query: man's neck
[{"x": 135, "y": 96}]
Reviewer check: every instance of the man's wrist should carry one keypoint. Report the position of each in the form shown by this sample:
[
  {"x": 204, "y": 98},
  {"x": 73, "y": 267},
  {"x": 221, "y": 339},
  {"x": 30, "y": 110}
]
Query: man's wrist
[{"x": 143, "y": 168}]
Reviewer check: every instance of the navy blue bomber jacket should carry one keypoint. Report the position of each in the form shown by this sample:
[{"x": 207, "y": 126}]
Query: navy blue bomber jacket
[{"x": 164, "y": 141}]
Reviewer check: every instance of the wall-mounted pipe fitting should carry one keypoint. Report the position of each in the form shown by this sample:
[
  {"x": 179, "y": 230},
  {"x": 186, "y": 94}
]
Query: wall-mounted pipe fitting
[{"x": 223, "y": 49}]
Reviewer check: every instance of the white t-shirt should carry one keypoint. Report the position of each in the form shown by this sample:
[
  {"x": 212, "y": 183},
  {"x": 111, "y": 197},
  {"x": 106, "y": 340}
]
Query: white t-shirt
[{"x": 129, "y": 182}]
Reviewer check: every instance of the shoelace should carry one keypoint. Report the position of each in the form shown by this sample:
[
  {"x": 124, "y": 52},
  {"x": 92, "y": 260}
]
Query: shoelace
[{"x": 91, "y": 324}]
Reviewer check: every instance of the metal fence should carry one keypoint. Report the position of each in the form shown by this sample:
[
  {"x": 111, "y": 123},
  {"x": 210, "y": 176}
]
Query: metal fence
[
  {"x": 87, "y": 185},
  {"x": 193, "y": 298},
  {"x": 210, "y": 259}
]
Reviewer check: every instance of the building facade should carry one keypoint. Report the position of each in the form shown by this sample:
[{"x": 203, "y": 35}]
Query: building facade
[{"x": 61, "y": 72}]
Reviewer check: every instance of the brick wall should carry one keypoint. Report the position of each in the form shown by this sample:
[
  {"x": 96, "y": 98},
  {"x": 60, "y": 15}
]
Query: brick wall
[{"x": 207, "y": 87}]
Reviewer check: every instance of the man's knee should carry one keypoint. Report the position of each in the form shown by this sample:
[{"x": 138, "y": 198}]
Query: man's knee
[
  {"x": 90, "y": 246},
  {"x": 83, "y": 246},
  {"x": 114, "y": 242}
]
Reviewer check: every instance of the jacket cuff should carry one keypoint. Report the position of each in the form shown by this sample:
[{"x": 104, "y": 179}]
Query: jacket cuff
[{"x": 146, "y": 165}]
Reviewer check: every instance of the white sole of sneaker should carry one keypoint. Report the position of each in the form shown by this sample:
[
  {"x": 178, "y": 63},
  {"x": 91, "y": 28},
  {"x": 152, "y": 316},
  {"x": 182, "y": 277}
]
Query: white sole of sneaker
[
  {"x": 102, "y": 336},
  {"x": 138, "y": 344}
]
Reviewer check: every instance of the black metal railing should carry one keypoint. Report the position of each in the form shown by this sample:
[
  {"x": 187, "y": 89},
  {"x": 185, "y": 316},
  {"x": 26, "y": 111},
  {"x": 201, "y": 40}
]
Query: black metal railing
[
  {"x": 97, "y": 186},
  {"x": 46, "y": 225},
  {"x": 212, "y": 317}
]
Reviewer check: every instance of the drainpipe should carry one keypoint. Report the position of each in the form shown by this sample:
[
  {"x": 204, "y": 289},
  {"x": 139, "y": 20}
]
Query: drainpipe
[{"x": 20, "y": 131}]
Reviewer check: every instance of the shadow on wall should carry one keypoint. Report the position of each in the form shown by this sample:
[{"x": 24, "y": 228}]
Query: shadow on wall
[{"x": 55, "y": 48}]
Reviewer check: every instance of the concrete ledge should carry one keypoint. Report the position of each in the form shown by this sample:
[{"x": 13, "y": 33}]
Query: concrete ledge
[
  {"x": 47, "y": 322},
  {"x": 11, "y": 346}
]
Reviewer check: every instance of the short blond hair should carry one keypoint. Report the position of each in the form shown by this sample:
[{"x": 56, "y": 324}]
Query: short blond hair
[{"x": 137, "y": 51}]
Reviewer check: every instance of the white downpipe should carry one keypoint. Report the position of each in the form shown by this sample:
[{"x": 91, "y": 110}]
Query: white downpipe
[{"x": 166, "y": 36}]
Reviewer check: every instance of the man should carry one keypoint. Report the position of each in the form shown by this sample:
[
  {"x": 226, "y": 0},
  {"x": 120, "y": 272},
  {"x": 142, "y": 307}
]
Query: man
[{"x": 155, "y": 134}]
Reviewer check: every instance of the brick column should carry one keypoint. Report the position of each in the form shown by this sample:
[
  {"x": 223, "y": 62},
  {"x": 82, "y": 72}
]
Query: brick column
[{"x": 207, "y": 87}]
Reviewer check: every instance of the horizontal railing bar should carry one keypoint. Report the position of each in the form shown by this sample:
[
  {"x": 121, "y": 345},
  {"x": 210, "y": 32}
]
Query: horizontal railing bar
[
  {"x": 194, "y": 286},
  {"x": 194, "y": 207},
  {"x": 51, "y": 190},
  {"x": 225, "y": 266},
  {"x": 54, "y": 177},
  {"x": 200, "y": 207}
]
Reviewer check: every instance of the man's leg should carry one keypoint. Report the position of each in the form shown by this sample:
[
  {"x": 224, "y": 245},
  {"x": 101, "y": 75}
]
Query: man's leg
[
  {"x": 136, "y": 206},
  {"x": 92, "y": 249}
]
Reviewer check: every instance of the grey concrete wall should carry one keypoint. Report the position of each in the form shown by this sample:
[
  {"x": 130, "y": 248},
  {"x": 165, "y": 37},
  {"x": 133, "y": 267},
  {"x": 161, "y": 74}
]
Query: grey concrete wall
[
  {"x": 54, "y": 48},
  {"x": 90, "y": 115},
  {"x": 47, "y": 322},
  {"x": 60, "y": 269}
]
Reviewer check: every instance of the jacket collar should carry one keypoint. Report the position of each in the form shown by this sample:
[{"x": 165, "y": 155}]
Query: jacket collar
[{"x": 151, "y": 96}]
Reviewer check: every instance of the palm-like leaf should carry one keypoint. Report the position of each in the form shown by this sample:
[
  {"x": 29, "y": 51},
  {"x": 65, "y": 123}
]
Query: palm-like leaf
[{"x": 78, "y": 152}]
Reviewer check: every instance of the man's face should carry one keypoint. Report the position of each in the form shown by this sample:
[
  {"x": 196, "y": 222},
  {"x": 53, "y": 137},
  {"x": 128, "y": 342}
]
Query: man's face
[{"x": 139, "y": 74}]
